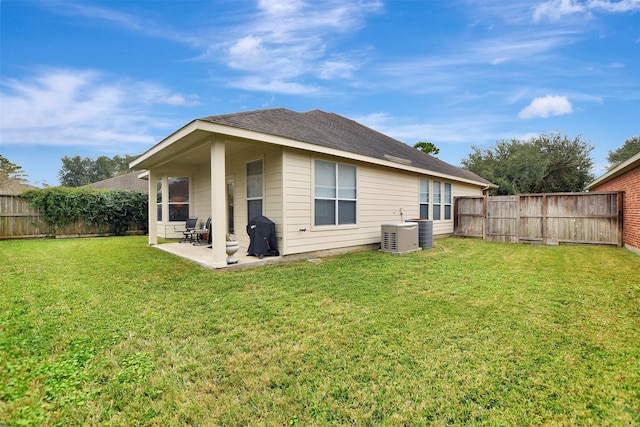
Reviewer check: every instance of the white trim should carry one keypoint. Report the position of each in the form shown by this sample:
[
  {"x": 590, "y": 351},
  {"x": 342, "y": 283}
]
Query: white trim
[
  {"x": 428, "y": 202},
  {"x": 314, "y": 226},
  {"x": 445, "y": 204},
  {"x": 231, "y": 179},
  {"x": 263, "y": 182}
]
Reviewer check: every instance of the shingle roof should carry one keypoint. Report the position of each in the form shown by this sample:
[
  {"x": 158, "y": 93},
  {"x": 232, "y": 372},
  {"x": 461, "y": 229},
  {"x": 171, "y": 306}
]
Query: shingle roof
[
  {"x": 14, "y": 187},
  {"x": 337, "y": 132},
  {"x": 128, "y": 181}
]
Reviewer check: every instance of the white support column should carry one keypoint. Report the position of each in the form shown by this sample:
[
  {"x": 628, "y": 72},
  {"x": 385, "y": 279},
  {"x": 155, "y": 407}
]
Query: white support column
[
  {"x": 218, "y": 204},
  {"x": 153, "y": 211}
]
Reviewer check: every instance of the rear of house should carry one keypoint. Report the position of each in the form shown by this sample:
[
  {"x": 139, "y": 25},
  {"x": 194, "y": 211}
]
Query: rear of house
[
  {"x": 625, "y": 177},
  {"x": 328, "y": 183}
]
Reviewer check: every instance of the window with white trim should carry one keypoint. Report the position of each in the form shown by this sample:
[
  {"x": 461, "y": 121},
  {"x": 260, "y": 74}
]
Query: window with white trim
[
  {"x": 254, "y": 189},
  {"x": 424, "y": 198},
  {"x": 447, "y": 201},
  {"x": 334, "y": 193},
  {"x": 437, "y": 199},
  {"x": 178, "y": 198}
]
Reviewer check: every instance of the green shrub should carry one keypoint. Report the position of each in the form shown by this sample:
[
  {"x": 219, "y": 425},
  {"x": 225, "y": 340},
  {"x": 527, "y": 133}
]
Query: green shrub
[{"x": 116, "y": 209}]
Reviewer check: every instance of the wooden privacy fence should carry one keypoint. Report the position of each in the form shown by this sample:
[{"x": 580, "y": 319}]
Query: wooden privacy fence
[
  {"x": 19, "y": 220},
  {"x": 589, "y": 218}
]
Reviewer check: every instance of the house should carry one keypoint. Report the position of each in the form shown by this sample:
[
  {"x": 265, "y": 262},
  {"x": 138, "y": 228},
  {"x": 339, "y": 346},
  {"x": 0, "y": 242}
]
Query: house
[
  {"x": 127, "y": 181},
  {"x": 14, "y": 187},
  {"x": 327, "y": 182},
  {"x": 625, "y": 177}
]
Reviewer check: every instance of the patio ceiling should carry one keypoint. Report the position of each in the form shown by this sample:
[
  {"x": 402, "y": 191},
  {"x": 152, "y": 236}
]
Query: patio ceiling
[{"x": 193, "y": 149}]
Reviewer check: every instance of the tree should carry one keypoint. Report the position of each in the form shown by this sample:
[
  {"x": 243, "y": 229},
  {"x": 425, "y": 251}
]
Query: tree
[
  {"x": 544, "y": 164},
  {"x": 427, "y": 147},
  {"x": 77, "y": 171},
  {"x": 10, "y": 172},
  {"x": 630, "y": 148}
]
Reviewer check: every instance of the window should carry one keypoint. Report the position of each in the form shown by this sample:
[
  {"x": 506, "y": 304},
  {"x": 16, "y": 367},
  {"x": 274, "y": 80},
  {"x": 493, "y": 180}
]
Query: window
[
  {"x": 334, "y": 193},
  {"x": 159, "y": 198},
  {"x": 254, "y": 189},
  {"x": 447, "y": 201},
  {"x": 436, "y": 200},
  {"x": 231, "y": 228},
  {"x": 424, "y": 198},
  {"x": 178, "y": 199}
]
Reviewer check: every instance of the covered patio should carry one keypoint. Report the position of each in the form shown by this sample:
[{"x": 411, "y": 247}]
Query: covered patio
[{"x": 206, "y": 167}]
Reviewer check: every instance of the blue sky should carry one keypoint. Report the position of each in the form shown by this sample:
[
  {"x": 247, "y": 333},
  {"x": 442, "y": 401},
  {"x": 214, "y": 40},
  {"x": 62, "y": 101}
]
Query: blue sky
[{"x": 114, "y": 77}]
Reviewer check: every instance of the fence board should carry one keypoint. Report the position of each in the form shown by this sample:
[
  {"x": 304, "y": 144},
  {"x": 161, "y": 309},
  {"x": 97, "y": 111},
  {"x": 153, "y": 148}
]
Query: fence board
[
  {"x": 593, "y": 218},
  {"x": 469, "y": 217}
]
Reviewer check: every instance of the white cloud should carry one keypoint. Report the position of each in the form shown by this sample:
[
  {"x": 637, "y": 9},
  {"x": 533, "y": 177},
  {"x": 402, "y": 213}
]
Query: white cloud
[
  {"x": 273, "y": 86},
  {"x": 336, "y": 69},
  {"x": 127, "y": 21},
  {"x": 287, "y": 40},
  {"x": 476, "y": 60},
  {"x": 247, "y": 53},
  {"x": 550, "y": 105},
  {"x": 622, "y": 6},
  {"x": 557, "y": 9},
  {"x": 290, "y": 40},
  {"x": 65, "y": 107},
  {"x": 279, "y": 7}
]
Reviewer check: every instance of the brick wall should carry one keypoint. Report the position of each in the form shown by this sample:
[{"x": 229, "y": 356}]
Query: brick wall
[{"x": 630, "y": 184}]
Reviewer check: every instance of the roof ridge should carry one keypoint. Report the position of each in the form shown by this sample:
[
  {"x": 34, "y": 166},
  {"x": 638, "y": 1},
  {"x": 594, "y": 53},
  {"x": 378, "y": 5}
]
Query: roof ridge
[{"x": 246, "y": 113}]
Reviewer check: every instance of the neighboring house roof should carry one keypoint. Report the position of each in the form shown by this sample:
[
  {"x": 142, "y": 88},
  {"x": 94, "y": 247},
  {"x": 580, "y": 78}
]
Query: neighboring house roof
[
  {"x": 13, "y": 187},
  {"x": 615, "y": 172},
  {"x": 128, "y": 181},
  {"x": 334, "y": 131}
]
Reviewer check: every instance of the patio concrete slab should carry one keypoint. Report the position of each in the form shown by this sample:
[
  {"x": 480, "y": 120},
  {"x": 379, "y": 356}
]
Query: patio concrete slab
[{"x": 202, "y": 255}]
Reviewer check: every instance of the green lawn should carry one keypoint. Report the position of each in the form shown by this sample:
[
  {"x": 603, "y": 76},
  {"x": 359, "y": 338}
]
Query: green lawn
[{"x": 113, "y": 332}]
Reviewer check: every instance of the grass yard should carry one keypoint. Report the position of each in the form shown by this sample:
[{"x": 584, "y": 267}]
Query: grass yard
[{"x": 113, "y": 332}]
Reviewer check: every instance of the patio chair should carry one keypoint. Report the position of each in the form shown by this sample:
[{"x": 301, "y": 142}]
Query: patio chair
[
  {"x": 189, "y": 228},
  {"x": 201, "y": 235}
]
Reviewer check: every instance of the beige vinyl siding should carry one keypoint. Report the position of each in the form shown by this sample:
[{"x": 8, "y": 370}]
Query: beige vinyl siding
[
  {"x": 272, "y": 197},
  {"x": 297, "y": 199},
  {"x": 236, "y": 167},
  {"x": 201, "y": 183},
  {"x": 381, "y": 192}
]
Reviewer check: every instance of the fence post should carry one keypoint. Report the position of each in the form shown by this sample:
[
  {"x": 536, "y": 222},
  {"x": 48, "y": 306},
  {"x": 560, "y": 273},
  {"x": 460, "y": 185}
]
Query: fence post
[
  {"x": 517, "y": 230},
  {"x": 455, "y": 216},
  {"x": 620, "y": 218},
  {"x": 544, "y": 219},
  {"x": 484, "y": 215}
]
